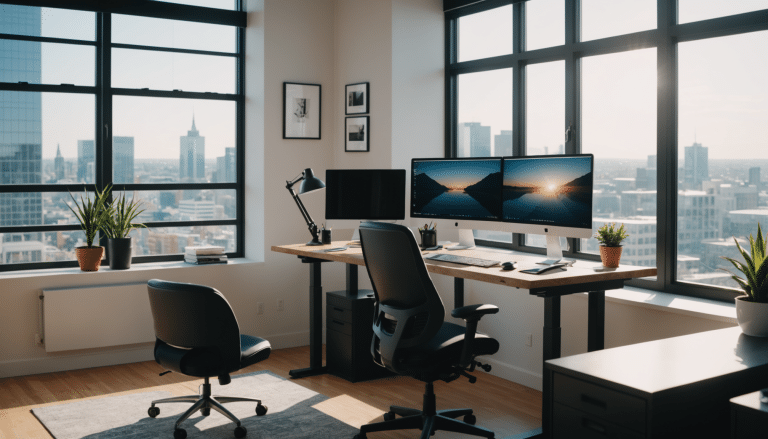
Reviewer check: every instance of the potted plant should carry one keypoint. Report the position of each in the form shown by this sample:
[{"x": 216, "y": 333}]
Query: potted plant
[
  {"x": 117, "y": 226},
  {"x": 91, "y": 213},
  {"x": 752, "y": 308},
  {"x": 610, "y": 238}
]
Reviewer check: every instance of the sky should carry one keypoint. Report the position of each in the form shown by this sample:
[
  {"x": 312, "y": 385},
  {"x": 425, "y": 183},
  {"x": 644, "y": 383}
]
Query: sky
[
  {"x": 723, "y": 102},
  {"x": 540, "y": 171},
  {"x": 458, "y": 173}
]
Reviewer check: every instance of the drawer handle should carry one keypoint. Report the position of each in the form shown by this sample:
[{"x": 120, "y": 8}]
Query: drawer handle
[
  {"x": 338, "y": 309},
  {"x": 594, "y": 401},
  {"x": 592, "y": 425},
  {"x": 338, "y": 322}
]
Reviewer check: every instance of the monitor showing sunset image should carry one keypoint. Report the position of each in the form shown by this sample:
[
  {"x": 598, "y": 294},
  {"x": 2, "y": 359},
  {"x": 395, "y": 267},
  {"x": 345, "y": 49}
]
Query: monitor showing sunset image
[
  {"x": 468, "y": 189},
  {"x": 554, "y": 190}
]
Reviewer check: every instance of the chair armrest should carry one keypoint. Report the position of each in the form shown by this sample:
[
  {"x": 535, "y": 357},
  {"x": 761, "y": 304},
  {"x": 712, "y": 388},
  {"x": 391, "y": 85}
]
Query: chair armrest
[{"x": 474, "y": 312}]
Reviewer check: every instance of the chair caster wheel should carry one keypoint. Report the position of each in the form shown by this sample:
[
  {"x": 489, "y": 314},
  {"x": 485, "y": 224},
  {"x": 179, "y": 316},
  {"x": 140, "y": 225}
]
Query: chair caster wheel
[
  {"x": 389, "y": 416},
  {"x": 153, "y": 412},
  {"x": 470, "y": 419},
  {"x": 261, "y": 410},
  {"x": 205, "y": 412},
  {"x": 179, "y": 433},
  {"x": 240, "y": 432}
]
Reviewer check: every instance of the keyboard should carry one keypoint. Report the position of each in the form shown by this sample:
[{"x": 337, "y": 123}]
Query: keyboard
[{"x": 465, "y": 260}]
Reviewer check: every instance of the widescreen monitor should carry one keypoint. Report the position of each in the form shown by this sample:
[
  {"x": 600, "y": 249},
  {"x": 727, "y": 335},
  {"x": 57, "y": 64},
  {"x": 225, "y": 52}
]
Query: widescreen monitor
[
  {"x": 549, "y": 191},
  {"x": 466, "y": 189},
  {"x": 365, "y": 194}
]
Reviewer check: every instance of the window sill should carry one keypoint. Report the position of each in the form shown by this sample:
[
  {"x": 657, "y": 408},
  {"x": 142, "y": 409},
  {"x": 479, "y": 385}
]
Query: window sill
[{"x": 106, "y": 271}]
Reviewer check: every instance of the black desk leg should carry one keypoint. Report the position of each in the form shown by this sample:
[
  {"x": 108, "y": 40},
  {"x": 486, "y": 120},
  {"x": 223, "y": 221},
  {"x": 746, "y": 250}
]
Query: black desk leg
[
  {"x": 351, "y": 280},
  {"x": 596, "y": 321},
  {"x": 552, "y": 345},
  {"x": 458, "y": 292},
  {"x": 315, "y": 325}
]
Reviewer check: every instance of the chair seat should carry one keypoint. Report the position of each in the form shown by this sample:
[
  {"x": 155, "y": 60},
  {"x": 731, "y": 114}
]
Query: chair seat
[
  {"x": 445, "y": 348},
  {"x": 253, "y": 349}
]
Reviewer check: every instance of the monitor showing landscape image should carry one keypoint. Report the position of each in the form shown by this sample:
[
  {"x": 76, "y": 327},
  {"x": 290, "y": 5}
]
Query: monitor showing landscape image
[
  {"x": 550, "y": 190},
  {"x": 456, "y": 188}
]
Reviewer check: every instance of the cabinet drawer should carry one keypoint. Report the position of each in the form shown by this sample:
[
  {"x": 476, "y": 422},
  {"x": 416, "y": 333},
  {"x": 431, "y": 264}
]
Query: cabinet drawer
[
  {"x": 332, "y": 324},
  {"x": 622, "y": 409},
  {"x": 568, "y": 423},
  {"x": 338, "y": 313}
]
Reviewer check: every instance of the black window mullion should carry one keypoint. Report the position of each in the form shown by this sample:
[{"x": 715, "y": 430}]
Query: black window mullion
[
  {"x": 47, "y": 40},
  {"x": 240, "y": 139},
  {"x": 451, "y": 86},
  {"x": 573, "y": 94},
  {"x": 173, "y": 50}
]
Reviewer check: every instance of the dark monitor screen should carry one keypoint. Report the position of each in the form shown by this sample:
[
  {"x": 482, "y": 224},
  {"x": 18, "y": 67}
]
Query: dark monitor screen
[
  {"x": 549, "y": 190},
  {"x": 365, "y": 194},
  {"x": 456, "y": 188}
]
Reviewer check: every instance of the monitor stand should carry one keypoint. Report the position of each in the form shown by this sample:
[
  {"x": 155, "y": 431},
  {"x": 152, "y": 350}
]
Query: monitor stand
[
  {"x": 554, "y": 251},
  {"x": 466, "y": 240}
]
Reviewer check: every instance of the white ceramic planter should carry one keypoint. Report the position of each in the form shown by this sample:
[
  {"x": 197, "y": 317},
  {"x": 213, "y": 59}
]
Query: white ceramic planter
[{"x": 752, "y": 317}]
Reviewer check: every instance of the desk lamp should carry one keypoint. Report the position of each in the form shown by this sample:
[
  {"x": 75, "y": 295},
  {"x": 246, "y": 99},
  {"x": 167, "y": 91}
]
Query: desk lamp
[{"x": 309, "y": 183}]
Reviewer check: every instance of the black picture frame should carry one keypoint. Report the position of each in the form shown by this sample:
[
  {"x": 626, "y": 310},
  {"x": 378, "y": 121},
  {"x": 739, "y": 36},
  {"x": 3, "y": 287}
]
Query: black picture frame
[
  {"x": 302, "y": 105},
  {"x": 357, "y": 98},
  {"x": 357, "y": 134}
]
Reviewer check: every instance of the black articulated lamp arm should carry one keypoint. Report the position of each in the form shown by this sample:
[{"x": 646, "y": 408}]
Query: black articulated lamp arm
[{"x": 307, "y": 218}]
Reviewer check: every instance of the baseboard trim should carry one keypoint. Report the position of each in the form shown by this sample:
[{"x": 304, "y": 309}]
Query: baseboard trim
[
  {"x": 514, "y": 373},
  {"x": 113, "y": 356}
]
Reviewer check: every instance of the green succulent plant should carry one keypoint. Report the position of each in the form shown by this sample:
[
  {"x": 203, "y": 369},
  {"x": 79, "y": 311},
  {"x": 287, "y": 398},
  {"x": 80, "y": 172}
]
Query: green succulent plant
[
  {"x": 754, "y": 268},
  {"x": 92, "y": 212},
  {"x": 120, "y": 222},
  {"x": 611, "y": 236}
]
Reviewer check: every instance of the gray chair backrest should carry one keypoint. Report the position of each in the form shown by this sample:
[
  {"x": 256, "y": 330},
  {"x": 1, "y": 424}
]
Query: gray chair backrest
[
  {"x": 194, "y": 316},
  {"x": 409, "y": 311}
]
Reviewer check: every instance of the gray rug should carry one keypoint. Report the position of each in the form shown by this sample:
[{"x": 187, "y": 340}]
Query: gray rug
[{"x": 290, "y": 415}]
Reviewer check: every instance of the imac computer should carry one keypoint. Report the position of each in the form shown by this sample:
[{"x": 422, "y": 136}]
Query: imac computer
[
  {"x": 549, "y": 195},
  {"x": 461, "y": 193},
  {"x": 545, "y": 195},
  {"x": 355, "y": 195}
]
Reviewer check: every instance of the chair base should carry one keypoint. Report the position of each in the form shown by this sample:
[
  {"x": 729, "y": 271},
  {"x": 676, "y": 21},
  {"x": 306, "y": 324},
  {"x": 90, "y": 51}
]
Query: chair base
[
  {"x": 428, "y": 420},
  {"x": 204, "y": 402}
]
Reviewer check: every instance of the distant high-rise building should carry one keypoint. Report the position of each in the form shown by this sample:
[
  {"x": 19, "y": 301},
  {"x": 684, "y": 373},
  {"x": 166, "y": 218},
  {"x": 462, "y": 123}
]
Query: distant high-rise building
[
  {"x": 652, "y": 160},
  {"x": 20, "y": 127},
  {"x": 122, "y": 153},
  {"x": 696, "y": 165},
  {"x": 58, "y": 164},
  {"x": 754, "y": 178},
  {"x": 474, "y": 140},
  {"x": 225, "y": 167},
  {"x": 502, "y": 143},
  {"x": 192, "y": 156},
  {"x": 86, "y": 156}
]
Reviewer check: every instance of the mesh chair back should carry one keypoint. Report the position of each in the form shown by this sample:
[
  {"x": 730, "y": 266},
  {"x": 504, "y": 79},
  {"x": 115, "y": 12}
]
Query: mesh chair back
[
  {"x": 409, "y": 311},
  {"x": 194, "y": 316}
]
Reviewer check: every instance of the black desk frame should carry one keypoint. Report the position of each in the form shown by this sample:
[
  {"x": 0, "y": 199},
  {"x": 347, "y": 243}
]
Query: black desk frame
[{"x": 552, "y": 331}]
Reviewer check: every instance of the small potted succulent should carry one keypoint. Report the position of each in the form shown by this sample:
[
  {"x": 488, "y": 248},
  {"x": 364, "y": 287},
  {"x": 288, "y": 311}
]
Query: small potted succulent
[
  {"x": 117, "y": 226},
  {"x": 752, "y": 308},
  {"x": 92, "y": 212},
  {"x": 610, "y": 238}
]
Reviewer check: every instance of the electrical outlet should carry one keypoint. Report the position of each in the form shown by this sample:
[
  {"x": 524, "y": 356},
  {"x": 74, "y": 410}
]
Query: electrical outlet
[
  {"x": 260, "y": 308},
  {"x": 280, "y": 304},
  {"x": 529, "y": 340},
  {"x": 38, "y": 340}
]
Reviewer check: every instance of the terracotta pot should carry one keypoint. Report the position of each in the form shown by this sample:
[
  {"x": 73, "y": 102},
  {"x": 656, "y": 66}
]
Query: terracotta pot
[
  {"x": 89, "y": 258},
  {"x": 752, "y": 317},
  {"x": 610, "y": 256}
]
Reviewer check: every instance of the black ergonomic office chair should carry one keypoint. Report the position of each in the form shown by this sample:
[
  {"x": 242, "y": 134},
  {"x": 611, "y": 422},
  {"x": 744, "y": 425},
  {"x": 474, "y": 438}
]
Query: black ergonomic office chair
[
  {"x": 410, "y": 336},
  {"x": 198, "y": 335}
]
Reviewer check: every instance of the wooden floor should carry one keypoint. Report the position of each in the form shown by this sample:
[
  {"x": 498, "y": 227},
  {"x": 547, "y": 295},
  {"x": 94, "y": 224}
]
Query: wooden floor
[{"x": 502, "y": 406}]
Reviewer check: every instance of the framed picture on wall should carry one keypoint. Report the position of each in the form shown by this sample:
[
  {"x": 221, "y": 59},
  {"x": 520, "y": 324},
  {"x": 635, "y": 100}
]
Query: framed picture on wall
[
  {"x": 301, "y": 111},
  {"x": 357, "y": 134},
  {"x": 356, "y": 98}
]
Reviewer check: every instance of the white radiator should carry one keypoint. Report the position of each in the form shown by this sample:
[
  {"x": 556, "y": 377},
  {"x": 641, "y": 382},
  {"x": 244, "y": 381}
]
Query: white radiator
[{"x": 96, "y": 317}]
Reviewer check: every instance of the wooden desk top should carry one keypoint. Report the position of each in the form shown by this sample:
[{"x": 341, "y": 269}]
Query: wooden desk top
[{"x": 581, "y": 273}]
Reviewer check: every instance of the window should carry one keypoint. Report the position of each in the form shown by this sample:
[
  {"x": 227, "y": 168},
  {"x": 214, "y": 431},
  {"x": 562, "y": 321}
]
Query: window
[
  {"x": 672, "y": 107},
  {"x": 161, "y": 121}
]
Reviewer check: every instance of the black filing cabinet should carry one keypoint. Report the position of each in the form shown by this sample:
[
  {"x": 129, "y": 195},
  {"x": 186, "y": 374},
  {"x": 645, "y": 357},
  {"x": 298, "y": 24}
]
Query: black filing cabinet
[
  {"x": 749, "y": 417},
  {"x": 349, "y": 331}
]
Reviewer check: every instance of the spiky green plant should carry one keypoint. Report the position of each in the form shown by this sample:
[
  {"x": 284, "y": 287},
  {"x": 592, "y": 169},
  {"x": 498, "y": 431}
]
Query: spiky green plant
[
  {"x": 754, "y": 268},
  {"x": 92, "y": 212},
  {"x": 611, "y": 236},
  {"x": 120, "y": 223}
]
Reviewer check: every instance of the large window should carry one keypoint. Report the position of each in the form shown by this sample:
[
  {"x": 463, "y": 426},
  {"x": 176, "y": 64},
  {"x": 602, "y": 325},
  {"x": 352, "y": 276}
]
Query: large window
[
  {"x": 150, "y": 104},
  {"x": 668, "y": 95}
]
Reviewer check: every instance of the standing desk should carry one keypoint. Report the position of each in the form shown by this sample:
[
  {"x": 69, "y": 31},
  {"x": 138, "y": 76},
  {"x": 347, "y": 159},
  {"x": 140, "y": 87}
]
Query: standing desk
[{"x": 581, "y": 278}]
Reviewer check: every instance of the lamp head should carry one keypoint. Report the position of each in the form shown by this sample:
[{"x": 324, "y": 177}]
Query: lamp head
[{"x": 310, "y": 182}]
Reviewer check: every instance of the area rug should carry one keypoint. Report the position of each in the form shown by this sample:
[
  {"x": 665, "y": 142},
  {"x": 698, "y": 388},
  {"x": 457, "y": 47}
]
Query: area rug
[{"x": 291, "y": 414}]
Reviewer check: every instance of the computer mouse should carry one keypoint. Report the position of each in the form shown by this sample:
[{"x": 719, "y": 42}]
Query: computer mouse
[{"x": 507, "y": 266}]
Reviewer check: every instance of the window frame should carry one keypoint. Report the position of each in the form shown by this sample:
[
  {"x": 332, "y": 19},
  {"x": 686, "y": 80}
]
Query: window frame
[
  {"x": 664, "y": 38},
  {"x": 103, "y": 94}
]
